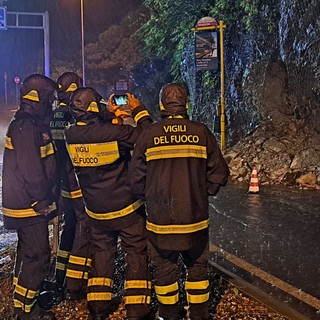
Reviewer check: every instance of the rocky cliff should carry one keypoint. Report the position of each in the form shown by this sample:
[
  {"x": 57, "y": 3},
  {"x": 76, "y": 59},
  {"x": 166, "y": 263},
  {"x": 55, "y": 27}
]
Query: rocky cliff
[{"x": 272, "y": 95}]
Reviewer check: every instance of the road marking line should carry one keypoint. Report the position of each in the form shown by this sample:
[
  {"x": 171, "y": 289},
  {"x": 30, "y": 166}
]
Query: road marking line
[{"x": 267, "y": 277}]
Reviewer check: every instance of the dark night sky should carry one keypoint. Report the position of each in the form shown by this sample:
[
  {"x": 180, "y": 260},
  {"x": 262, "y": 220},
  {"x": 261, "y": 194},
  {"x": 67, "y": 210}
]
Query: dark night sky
[{"x": 21, "y": 48}]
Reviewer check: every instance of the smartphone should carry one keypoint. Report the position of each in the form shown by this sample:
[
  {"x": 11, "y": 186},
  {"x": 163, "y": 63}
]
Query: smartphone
[{"x": 120, "y": 100}]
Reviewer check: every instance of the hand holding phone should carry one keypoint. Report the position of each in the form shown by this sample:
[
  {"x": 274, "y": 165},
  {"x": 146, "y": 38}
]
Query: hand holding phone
[{"x": 120, "y": 100}]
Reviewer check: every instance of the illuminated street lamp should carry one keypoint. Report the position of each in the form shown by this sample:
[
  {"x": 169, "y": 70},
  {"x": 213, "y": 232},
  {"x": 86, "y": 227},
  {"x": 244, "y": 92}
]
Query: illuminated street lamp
[{"x": 82, "y": 44}]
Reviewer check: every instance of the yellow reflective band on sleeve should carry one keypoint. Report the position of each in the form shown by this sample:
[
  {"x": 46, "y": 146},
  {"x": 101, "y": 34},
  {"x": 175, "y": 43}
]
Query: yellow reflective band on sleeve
[
  {"x": 63, "y": 254},
  {"x": 168, "y": 300},
  {"x": 137, "y": 299},
  {"x": 25, "y": 307},
  {"x": 24, "y": 292},
  {"x": 162, "y": 290},
  {"x": 200, "y": 298},
  {"x": 197, "y": 285},
  {"x": 99, "y": 296},
  {"x": 137, "y": 284},
  {"x": 57, "y": 134},
  {"x": 80, "y": 261},
  {"x": 76, "y": 274},
  {"x": 71, "y": 194},
  {"x": 93, "y": 107},
  {"x": 73, "y": 86},
  {"x": 61, "y": 266},
  {"x": 141, "y": 114},
  {"x": 8, "y": 143},
  {"x": 176, "y": 151},
  {"x": 177, "y": 229},
  {"x": 46, "y": 150},
  {"x": 19, "y": 213},
  {"x": 15, "y": 281},
  {"x": 32, "y": 95},
  {"x": 100, "y": 282},
  {"x": 93, "y": 154},
  {"x": 115, "y": 214}
]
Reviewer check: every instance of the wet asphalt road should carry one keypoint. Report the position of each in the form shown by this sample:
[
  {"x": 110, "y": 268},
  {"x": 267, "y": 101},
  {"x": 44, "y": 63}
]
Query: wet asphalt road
[{"x": 275, "y": 232}]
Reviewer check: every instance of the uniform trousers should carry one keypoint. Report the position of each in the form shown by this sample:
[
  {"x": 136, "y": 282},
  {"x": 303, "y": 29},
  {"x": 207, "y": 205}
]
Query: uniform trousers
[
  {"x": 32, "y": 265},
  {"x": 73, "y": 260},
  {"x": 137, "y": 274},
  {"x": 166, "y": 277}
]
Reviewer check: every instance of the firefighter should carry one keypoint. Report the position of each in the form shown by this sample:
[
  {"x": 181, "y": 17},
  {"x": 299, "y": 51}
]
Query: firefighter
[
  {"x": 100, "y": 153},
  {"x": 71, "y": 269},
  {"x": 30, "y": 192},
  {"x": 176, "y": 165}
]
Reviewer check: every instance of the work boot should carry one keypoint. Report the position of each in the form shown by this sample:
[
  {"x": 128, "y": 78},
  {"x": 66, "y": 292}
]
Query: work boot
[
  {"x": 51, "y": 294},
  {"x": 70, "y": 295},
  {"x": 38, "y": 314},
  {"x": 99, "y": 313}
]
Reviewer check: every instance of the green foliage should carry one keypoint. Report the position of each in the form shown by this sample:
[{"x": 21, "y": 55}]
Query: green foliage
[
  {"x": 116, "y": 52},
  {"x": 210, "y": 80},
  {"x": 169, "y": 25},
  {"x": 170, "y": 22}
]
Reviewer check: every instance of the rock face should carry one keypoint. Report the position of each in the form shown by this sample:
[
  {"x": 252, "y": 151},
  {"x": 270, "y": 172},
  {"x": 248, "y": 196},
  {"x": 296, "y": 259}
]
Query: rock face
[{"x": 272, "y": 94}]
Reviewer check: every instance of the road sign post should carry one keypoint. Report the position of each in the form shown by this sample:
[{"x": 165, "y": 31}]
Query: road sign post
[
  {"x": 209, "y": 24},
  {"x": 3, "y": 18}
]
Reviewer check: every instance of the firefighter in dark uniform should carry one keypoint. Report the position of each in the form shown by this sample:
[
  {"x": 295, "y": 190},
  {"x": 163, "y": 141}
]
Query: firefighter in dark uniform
[
  {"x": 100, "y": 152},
  {"x": 176, "y": 165},
  {"x": 30, "y": 192},
  {"x": 71, "y": 269}
]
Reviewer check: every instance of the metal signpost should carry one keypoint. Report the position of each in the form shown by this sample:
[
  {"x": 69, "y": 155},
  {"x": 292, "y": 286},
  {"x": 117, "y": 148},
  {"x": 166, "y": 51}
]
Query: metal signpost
[
  {"x": 207, "y": 57},
  {"x": 19, "y": 25},
  {"x": 3, "y": 18}
]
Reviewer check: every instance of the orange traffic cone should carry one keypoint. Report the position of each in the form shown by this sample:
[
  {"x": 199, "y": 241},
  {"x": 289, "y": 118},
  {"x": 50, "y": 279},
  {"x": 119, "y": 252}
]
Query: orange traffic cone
[{"x": 254, "y": 183}]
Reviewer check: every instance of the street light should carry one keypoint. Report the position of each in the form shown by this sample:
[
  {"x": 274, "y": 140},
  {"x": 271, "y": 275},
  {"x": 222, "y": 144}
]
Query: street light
[{"x": 82, "y": 44}]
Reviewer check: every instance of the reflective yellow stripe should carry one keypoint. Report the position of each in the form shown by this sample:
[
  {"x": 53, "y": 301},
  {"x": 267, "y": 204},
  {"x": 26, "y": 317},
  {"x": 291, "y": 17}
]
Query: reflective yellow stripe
[
  {"x": 81, "y": 123},
  {"x": 80, "y": 261},
  {"x": 177, "y": 229},
  {"x": 175, "y": 117},
  {"x": 115, "y": 214},
  {"x": 93, "y": 154},
  {"x": 137, "y": 284},
  {"x": 25, "y": 307},
  {"x": 46, "y": 150},
  {"x": 167, "y": 289},
  {"x": 197, "y": 285},
  {"x": 63, "y": 254},
  {"x": 61, "y": 266},
  {"x": 200, "y": 298},
  {"x": 168, "y": 300},
  {"x": 32, "y": 95},
  {"x": 19, "y": 213},
  {"x": 15, "y": 281},
  {"x": 76, "y": 274},
  {"x": 71, "y": 194},
  {"x": 141, "y": 114},
  {"x": 137, "y": 299},
  {"x": 100, "y": 282},
  {"x": 99, "y": 296},
  {"x": 22, "y": 291},
  {"x": 73, "y": 86},
  {"x": 57, "y": 134},
  {"x": 8, "y": 143},
  {"x": 176, "y": 151},
  {"x": 93, "y": 107}
]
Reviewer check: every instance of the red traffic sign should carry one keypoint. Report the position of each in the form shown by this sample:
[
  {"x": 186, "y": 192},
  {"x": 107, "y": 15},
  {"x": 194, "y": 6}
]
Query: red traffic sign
[
  {"x": 17, "y": 80},
  {"x": 206, "y": 22}
]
